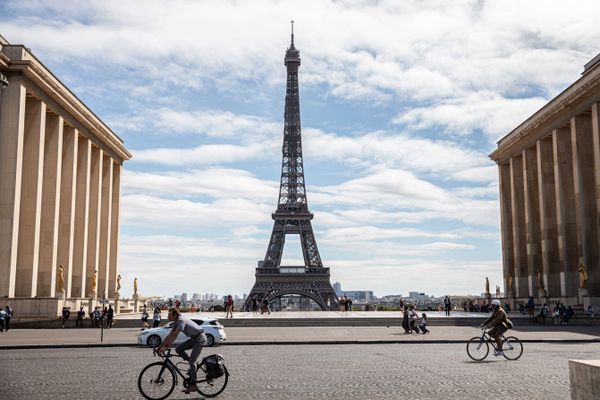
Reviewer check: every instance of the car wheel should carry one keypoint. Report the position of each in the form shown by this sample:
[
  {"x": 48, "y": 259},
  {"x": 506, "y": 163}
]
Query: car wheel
[
  {"x": 210, "y": 340},
  {"x": 154, "y": 341}
]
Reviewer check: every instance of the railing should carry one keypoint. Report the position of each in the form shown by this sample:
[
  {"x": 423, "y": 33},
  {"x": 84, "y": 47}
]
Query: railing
[{"x": 292, "y": 270}]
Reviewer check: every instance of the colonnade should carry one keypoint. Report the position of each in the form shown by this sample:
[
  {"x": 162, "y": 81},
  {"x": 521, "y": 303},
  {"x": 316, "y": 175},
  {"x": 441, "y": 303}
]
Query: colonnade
[
  {"x": 60, "y": 180},
  {"x": 550, "y": 209}
]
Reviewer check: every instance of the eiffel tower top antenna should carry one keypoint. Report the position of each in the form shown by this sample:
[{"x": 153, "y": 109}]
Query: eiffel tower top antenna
[{"x": 292, "y": 33}]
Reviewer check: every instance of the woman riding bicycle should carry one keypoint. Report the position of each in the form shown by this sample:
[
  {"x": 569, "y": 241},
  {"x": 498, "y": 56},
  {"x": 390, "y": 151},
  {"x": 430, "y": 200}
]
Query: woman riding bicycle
[{"x": 498, "y": 322}]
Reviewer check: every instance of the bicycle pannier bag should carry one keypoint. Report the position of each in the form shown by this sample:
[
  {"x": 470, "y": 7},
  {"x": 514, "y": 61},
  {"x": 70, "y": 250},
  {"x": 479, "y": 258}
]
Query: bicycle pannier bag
[{"x": 214, "y": 366}]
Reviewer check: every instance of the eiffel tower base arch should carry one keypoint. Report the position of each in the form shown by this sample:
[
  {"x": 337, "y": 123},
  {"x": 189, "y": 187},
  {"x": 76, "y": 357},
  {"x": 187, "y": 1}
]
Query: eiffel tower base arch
[{"x": 315, "y": 286}]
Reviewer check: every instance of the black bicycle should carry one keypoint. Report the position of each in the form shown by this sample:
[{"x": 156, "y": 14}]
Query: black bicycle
[
  {"x": 158, "y": 379},
  {"x": 478, "y": 347}
]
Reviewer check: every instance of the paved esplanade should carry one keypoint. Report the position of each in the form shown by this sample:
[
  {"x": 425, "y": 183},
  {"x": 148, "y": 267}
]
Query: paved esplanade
[{"x": 391, "y": 371}]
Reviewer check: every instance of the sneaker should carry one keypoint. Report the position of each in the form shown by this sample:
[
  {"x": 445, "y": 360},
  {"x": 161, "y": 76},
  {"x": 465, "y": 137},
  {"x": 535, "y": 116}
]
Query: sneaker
[
  {"x": 190, "y": 389},
  {"x": 498, "y": 353}
]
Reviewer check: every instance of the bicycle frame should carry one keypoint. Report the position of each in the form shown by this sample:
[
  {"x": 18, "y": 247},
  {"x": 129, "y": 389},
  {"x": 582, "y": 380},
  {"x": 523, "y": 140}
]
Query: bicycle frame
[{"x": 170, "y": 364}]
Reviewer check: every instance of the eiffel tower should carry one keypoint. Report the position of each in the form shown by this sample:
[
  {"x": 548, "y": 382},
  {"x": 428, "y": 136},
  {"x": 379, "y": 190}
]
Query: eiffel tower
[{"x": 292, "y": 217}]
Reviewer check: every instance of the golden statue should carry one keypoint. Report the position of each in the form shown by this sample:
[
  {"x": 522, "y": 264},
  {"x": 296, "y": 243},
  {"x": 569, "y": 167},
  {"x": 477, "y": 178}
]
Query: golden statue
[
  {"x": 118, "y": 283},
  {"x": 540, "y": 281},
  {"x": 582, "y": 276},
  {"x": 487, "y": 285},
  {"x": 61, "y": 279},
  {"x": 510, "y": 281},
  {"x": 94, "y": 281},
  {"x": 135, "y": 287}
]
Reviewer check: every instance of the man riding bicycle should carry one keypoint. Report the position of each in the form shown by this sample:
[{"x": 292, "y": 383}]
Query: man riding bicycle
[
  {"x": 498, "y": 322},
  {"x": 195, "y": 342}
]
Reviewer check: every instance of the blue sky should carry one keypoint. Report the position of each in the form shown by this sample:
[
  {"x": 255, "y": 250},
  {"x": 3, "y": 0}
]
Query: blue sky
[{"x": 401, "y": 102}]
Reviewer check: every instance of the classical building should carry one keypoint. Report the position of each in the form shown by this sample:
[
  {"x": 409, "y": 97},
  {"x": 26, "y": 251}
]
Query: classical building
[
  {"x": 549, "y": 169},
  {"x": 60, "y": 176}
]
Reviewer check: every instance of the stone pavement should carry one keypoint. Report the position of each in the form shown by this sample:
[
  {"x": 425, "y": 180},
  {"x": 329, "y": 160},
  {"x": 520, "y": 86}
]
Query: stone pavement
[
  {"x": 298, "y": 335},
  {"x": 378, "y": 371}
]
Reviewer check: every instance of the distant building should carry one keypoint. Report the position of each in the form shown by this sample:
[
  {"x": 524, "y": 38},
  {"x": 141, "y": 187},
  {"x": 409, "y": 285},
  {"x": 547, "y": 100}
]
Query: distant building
[
  {"x": 337, "y": 287},
  {"x": 195, "y": 297},
  {"x": 184, "y": 297},
  {"x": 360, "y": 295}
]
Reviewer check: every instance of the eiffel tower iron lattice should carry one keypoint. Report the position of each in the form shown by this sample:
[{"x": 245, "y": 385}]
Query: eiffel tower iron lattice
[{"x": 292, "y": 216}]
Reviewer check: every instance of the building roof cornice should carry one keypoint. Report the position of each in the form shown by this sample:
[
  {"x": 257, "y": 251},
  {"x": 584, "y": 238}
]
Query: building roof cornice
[
  {"x": 19, "y": 58},
  {"x": 572, "y": 101}
]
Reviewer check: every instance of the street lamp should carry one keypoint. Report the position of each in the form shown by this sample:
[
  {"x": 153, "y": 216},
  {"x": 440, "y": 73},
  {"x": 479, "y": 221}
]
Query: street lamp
[{"x": 3, "y": 81}]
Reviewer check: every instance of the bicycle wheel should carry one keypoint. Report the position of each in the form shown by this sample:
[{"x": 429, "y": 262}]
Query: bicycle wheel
[
  {"x": 156, "y": 382},
  {"x": 477, "y": 349},
  {"x": 512, "y": 348},
  {"x": 212, "y": 387}
]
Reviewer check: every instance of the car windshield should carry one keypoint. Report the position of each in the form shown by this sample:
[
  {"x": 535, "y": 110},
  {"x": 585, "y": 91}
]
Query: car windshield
[{"x": 198, "y": 321}]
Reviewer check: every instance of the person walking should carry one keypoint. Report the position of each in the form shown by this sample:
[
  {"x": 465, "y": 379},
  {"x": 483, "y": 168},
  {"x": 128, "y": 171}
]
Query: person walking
[
  {"x": 2, "y": 318},
  {"x": 349, "y": 301},
  {"x": 531, "y": 306},
  {"x": 412, "y": 320},
  {"x": 405, "y": 323},
  {"x": 254, "y": 305},
  {"x": 9, "y": 314},
  {"x": 145, "y": 317},
  {"x": 229, "y": 307},
  {"x": 265, "y": 307},
  {"x": 447, "y": 305},
  {"x": 80, "y": 316},
  {"x": 423, "y": 325},
  {"x": 110, "y": 314},
  {"x": 156, "y": 317}
]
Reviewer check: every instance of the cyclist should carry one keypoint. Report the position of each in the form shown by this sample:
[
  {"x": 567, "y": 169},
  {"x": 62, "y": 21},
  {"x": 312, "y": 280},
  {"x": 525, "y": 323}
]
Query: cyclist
[
  {"x": 498, "y": 322},
  {"x": 195, "y": 342}
]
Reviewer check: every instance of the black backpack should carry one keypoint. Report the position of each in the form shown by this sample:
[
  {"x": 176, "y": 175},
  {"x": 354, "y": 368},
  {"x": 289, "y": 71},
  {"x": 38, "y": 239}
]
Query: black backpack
[{"x": 214, "y": 366}]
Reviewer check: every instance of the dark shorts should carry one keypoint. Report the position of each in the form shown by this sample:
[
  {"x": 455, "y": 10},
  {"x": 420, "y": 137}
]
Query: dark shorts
[{"x": 497, "y": 330}]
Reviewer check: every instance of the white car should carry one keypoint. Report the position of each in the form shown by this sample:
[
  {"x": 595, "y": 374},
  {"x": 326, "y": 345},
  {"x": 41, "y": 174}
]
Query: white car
[{"x": 213, "y": 330}]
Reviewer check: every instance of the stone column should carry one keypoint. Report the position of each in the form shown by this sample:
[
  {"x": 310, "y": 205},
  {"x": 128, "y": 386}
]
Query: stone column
[
  {"x": 114, "y": 228},
  {"x": 67, "y": 205},
  {"x": 81, "y": 217},
  {"x": 507, "y": 230},
  {"x": 565, "y": 212},
  {"x": 12, "y": 124},
  {"x": 585, "y": 199},
  {"x": 532, "y": 219},
  {"x": 518, "y": 218},
  {"x": 593, "y": 283},
  {"x": 548, "y": 225},
  {"x": 105, "y": 233},
  {"x": 31, "y": 198},
  {"x": 94, "y": 214},
  {"x": 50, "y": 206}
]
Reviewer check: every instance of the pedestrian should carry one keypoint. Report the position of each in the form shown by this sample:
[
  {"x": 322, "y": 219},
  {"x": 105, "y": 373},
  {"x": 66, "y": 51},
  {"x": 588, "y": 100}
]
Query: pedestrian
[
  {"x": 343, "y": 302},
  {"x": 9, "y": 314},
  {"x": 110, "y": 314},
  {"x": 66, "y": 312},
  {"x": 2, "y": 318},
  {"x": 447, "y": 305},
  {"x": 590, "y": 311},
  {"x": 265, "y": 307},
  {"x": 531, "y": 306},
  {"x": 349, "y": 303},
  {"x": 97, "y": 317},
  {"x": 423, "y": 324},
  {"x": 145, "y": 317},
  {"x": 156, "y": 317},
  {"x": 229, "y": 307},
  {"x": 544, "y": 311},
  {"x": 254, "y": 305},
  {"x": 412, "y": 319},
  {"x": 568, "y": 315},
  {"x": 405, "y": 323},
  {"x": 80, "y": 316},
  {"x": 346, "y": 303}
]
